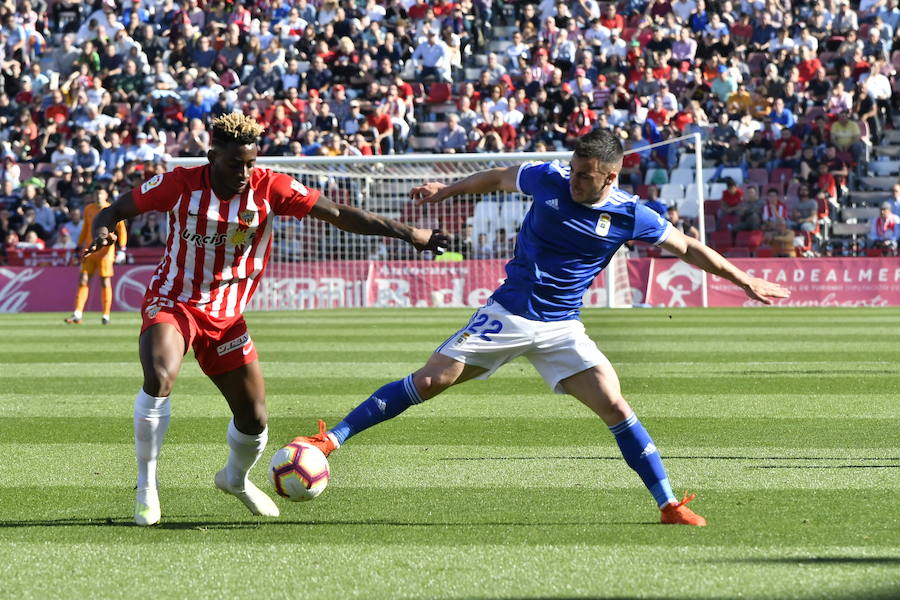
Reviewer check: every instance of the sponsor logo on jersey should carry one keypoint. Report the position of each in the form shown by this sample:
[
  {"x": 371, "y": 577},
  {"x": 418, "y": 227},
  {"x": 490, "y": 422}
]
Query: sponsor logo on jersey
[
  {"x": 151, "y": 183},
  {"x": 603, "y": 224},
  {"x": 553, "y": 203},
  {"x": 299, "y": 187},
  {"x": 204, "y": 240},
  {"x": 233, "y": 345},
  {"x": 241, "y": 237}
]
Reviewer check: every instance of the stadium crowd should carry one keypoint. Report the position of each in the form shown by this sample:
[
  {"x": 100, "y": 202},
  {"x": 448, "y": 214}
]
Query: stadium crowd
[{"x": 790, "y": 97}]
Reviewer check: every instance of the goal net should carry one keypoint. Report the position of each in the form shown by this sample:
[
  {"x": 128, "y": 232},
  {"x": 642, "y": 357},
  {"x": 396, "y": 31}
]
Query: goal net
[{"x": 316, "y": 265}]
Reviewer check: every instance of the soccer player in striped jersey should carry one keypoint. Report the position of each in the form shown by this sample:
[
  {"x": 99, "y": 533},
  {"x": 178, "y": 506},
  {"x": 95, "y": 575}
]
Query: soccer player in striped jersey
[
  {"x": 100, "y": 262},
  {"x": 578, "y": 219},
  {"x": 220, "y": 238}
]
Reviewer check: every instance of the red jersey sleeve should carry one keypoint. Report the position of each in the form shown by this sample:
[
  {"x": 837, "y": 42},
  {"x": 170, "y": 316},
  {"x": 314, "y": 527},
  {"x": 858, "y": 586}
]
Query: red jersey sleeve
[
  {"x": 290, "y": 198},
  {"x": 160, "y": 192}
]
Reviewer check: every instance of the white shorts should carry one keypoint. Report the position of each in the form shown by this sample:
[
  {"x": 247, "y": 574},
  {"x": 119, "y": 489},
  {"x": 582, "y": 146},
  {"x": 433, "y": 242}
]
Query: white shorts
[{"x": 494, "y": 336}]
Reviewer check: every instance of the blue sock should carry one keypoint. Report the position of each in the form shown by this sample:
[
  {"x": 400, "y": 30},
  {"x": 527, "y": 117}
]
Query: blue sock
[
  {"x": 640, "y": 454},
  {"x": 389, "y": 401}
]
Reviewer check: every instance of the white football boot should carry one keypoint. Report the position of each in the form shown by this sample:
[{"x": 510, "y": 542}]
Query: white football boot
[
  {"x": 146, "y": 507},
  {"x": 253, "y": 498}
]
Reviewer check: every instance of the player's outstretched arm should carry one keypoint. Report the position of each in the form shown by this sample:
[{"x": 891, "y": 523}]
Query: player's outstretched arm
[
  {"x": 483, "y": 182},
  {"x": 694, "y": 253},
  {"x": 105, "y": 222},
  {"x": 356, "y": 220}
]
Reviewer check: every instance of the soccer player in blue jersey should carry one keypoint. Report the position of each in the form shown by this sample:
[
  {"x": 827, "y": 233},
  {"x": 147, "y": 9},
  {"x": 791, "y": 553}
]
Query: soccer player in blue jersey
[{"x": 578, "y": 219}]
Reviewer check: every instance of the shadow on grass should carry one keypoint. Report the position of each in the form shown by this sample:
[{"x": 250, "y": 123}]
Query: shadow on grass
[
  {"x": 815, "y": 560},
  {"x": 200, "y": 524},
  {"x": 671, "y": 457}
]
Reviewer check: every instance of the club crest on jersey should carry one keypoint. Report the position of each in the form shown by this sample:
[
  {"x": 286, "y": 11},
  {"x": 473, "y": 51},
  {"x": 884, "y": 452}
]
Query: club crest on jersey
[
  {"x": 204, "y": 240},
  {"x": 245, "y": 217},
  {"x": 603, "y": 224},
  {"x": 151, "y": 183}
]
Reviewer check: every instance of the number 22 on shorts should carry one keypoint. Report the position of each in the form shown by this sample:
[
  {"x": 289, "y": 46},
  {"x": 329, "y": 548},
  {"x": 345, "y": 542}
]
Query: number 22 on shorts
[{"x": 480, "y": 321}]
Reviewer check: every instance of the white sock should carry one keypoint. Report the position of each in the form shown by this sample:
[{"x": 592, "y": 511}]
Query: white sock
[
  {"x": 245, "y": 451},
  {"x": 77, "y": 314},
  {"x": 151, "y": 420}
]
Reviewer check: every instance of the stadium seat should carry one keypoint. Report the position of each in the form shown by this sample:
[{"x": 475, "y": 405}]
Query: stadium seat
[
  {"x": 672, "y": 193},
  {"x": 720, "y": 239},
  {"x": 736, "y": 174},
  {"x": 690, "y": 191},
  {"x": 683, "y": 176},
  {"x": 737, "y": 253},
  {"x": 757, "y": 176},
  {"x": 417, "y": 142},
  {"x": 764, "y": 252},
  {"x": 749, "y": 239},
  {"x": 712, "y": 206},
  {"x": 688, "y": 160},
  {"x": 485, "y": 218},
  {"x": 708, "y": 175},
  {"x": 656, "y": 177},
  {"x": 689, "y": 208},
  {"x": 728, "y": 222},
  {"x": 884, "y": 167},
  {"x": 781, "y": 176},
  {"x": 439, "y": 92},
  {"x": 715, "y": 191}
]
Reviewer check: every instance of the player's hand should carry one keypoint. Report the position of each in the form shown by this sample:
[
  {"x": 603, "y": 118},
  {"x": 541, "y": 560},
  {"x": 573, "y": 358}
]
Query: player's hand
[
  {"x": 765, "y": 291},
  {"x": 430, "y": 239},
  {"x": 104, "y": 238},
  {"x": 120, "y": 257},
  {"x": 427, "y": 193}
]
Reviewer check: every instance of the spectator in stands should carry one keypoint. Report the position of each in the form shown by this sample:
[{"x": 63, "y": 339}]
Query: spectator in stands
[
  {"x": 504, "y": 245},
  {"x": 383, "y": 126},
  {"x": 805, "y": 215},
  {"x": 773, "y": 210},
  {"x": 680, "y": 224},
  {"x": 452, "y": 138},
  {"x": 894, "y": 200},
  {"x": 847, "y": 136},
  {"x": 885, "y": 230},
  {"x": 483, "y": 248},
  {"x": 781, "y": 239},
  {"x": 72, "y": 224},
  {"x": 64, "y": 241},
  {"x": 432, "y": 58},
  {"x": 86, "y": 156},
  {"x": 751, "y": 211},
  {"x": 732, "y": 199}
]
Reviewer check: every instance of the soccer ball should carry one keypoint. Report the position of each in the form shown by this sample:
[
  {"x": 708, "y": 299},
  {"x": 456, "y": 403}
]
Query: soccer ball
[{"x": 299, "y": 471}]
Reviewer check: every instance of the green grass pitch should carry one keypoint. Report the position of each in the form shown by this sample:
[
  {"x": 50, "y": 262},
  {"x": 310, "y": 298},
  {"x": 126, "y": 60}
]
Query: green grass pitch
[{"x": 784, "y": 422}]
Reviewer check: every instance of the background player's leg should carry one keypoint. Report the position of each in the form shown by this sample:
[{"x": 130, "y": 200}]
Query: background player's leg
[
  {"x": 439, "y": 373},
  {"x": 107, "y": 298},
  {"x": 245, "y": 391},
  {"x": 161, "y": 349},
  {"x": 598, "y": 389},
  {"x": 81, "y": 297}
]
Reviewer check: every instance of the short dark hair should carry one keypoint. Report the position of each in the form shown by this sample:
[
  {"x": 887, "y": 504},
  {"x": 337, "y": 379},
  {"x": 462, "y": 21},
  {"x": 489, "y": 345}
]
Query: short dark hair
[{"x": 602, "y": 144}]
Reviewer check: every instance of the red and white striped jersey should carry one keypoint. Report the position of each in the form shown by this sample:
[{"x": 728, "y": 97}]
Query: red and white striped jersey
[{"x": 217, "y": 249}]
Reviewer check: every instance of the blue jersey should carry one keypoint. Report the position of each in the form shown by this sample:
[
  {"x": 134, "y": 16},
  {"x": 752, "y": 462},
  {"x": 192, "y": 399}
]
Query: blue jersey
[{"x": 563, "y": 245}]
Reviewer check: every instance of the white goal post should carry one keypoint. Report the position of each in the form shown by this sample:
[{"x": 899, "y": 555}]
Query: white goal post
[{"x": 318, "y": 266}]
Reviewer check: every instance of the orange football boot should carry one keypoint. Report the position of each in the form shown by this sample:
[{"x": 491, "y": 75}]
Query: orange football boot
[
  {"x": 679, "y": 514},
  {"x": 322, "y": 440}
]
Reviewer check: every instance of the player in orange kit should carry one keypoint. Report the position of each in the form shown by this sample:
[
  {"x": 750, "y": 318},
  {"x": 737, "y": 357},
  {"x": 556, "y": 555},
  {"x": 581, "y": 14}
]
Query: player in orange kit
[{"x": 100, "y": 262}]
